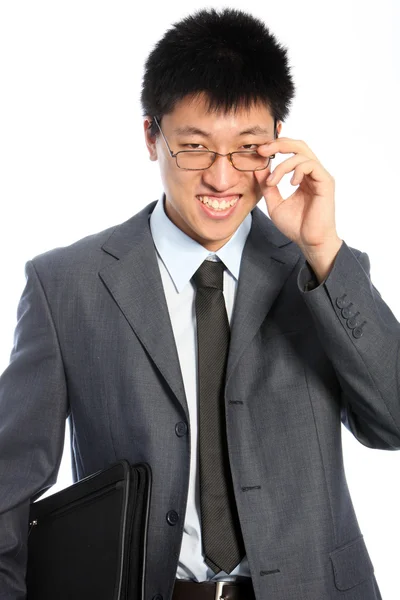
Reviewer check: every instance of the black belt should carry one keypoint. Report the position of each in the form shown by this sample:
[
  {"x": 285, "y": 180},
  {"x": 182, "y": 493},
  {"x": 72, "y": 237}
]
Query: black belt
[{"x": 213, "y": 590}]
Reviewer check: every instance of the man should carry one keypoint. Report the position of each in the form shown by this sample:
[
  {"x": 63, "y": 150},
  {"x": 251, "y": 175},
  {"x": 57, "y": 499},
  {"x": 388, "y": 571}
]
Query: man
[{"x": 126, "y": 332}]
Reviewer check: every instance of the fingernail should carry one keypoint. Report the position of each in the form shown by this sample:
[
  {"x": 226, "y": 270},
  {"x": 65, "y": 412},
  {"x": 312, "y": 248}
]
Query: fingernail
[{"x": 270, "y": 178}]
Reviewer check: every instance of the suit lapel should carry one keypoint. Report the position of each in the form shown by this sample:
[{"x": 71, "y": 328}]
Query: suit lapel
[
  {"x": 268, "y": 259},
  {"x": 134, "y": 281}
]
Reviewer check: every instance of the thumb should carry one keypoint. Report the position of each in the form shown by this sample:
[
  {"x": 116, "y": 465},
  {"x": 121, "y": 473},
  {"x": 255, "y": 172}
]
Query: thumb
[
  {"x": 272, "y": 197},
  {"x": 271, "y": 193}
]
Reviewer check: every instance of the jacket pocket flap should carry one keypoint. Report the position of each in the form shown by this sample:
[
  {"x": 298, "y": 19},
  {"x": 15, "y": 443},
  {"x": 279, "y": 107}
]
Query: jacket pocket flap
[{"x": 351, "y": 564}]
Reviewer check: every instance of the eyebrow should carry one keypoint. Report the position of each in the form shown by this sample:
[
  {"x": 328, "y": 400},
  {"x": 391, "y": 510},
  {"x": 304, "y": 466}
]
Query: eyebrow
[{"x": 188, "y": 130}]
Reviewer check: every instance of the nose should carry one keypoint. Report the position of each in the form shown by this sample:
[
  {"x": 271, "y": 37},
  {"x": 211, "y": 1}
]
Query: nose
[{"x": 221, "y": 175}]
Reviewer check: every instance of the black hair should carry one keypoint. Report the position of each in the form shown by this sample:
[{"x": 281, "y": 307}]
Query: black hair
[{"x": 230, "y": 56}]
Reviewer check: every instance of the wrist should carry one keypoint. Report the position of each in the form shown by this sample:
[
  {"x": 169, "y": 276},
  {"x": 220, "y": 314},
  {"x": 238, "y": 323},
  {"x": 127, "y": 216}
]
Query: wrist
[{"x": 321, "y": 258}]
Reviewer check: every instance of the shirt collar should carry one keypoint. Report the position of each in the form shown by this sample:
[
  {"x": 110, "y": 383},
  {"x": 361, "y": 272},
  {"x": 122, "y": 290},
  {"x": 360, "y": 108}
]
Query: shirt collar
[{"x": 182, "y": 255}]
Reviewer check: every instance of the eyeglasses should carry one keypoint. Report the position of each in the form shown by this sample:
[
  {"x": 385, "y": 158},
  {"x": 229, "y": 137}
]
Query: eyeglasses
[{"x": 200, "y": 160}]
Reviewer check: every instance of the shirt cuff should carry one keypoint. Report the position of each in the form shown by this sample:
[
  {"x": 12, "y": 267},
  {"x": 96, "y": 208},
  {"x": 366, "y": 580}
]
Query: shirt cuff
[{"x": 307, "y": 279}]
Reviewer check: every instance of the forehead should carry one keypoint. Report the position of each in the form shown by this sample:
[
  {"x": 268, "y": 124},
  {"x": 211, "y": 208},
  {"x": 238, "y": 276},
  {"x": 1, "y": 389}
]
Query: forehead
[{"x": 193, "y": 113}]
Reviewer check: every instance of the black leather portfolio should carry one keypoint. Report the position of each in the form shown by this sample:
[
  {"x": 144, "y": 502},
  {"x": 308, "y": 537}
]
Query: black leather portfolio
[{"x": 89, "y": 540}]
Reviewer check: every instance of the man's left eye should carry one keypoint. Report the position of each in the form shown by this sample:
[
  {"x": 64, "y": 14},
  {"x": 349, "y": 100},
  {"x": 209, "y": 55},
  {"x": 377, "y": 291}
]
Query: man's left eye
[{"x": 247, "y": 146}]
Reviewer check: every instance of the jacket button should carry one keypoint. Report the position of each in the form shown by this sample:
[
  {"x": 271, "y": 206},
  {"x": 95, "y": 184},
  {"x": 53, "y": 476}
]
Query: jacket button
[
  {"x": 340, "y": 303},
  {"x": 357, "y": 332},
  {"x": 346, "y": 312},
  {"x": 172, "y": 517},
  {"x": 353, "y": 321},
  {"x": 180, "y": 428}
]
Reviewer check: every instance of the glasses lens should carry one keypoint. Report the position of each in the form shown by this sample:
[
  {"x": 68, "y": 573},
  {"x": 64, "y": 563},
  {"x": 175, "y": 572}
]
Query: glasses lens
[
  {"x": 250, "y": 161},
  {"x": 194, "y": 159}
]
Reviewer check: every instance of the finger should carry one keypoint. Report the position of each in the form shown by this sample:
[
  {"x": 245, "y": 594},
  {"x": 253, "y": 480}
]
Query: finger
[
  {"x": 267, "y": 149},
  {"x": 286, "y": 146},
  {"x": 285, "y": 167},
  {"x": 312, "y": 168}
]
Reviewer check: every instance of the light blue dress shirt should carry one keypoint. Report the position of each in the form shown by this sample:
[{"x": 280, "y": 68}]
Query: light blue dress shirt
[{"x": 179, "y": 257}]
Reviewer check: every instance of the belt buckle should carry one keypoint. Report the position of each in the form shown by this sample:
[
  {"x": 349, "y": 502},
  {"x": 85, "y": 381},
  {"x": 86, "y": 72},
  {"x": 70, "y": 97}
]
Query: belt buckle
[{"x": 219, "y": 589}]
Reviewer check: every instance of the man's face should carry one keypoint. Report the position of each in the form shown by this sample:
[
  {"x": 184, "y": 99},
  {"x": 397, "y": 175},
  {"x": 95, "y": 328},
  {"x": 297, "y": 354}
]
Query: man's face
[{"x": 183, "y": 189}]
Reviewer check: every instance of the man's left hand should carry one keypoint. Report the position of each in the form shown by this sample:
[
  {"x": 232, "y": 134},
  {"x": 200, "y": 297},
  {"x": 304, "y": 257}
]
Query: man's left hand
[{"x": 307, "y": 217}]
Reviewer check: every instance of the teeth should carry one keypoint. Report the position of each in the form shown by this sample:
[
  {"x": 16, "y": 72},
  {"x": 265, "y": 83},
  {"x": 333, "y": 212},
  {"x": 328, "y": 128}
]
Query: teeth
[{"x": 213, "y": 203}]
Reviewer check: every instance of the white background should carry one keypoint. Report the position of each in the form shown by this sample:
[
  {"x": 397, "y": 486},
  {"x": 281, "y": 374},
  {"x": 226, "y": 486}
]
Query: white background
[{"x": 73, "y": 159}]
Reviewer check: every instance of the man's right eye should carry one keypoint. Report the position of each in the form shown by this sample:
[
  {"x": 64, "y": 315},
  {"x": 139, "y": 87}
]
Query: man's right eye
[{"x": 191, "y": 146}]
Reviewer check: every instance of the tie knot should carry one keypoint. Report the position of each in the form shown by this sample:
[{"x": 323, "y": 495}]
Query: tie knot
[{"x": 210, "y": 274}]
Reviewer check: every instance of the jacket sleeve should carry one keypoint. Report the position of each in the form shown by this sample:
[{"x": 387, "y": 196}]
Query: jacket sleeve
[
  {"x": 33, "y": 410},
  {"x": 361, "y": 337}
]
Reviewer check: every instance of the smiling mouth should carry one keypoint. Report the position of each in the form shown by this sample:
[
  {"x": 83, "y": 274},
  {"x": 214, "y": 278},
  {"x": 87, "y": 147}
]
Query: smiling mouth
[{"x": 219, "y": 204}]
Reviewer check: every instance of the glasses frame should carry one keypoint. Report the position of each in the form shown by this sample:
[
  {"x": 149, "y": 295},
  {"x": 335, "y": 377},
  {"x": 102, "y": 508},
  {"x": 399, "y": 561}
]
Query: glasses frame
[{"x": 175, "y": 154}]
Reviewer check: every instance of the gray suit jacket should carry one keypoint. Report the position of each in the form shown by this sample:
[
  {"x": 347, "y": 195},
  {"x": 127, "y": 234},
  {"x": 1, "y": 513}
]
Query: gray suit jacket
[{"x": 94, "y": 341}]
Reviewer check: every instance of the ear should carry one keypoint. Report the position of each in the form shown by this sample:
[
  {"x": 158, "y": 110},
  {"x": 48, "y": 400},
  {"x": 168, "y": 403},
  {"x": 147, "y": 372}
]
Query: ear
[{"x": 150, "y": 140}]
